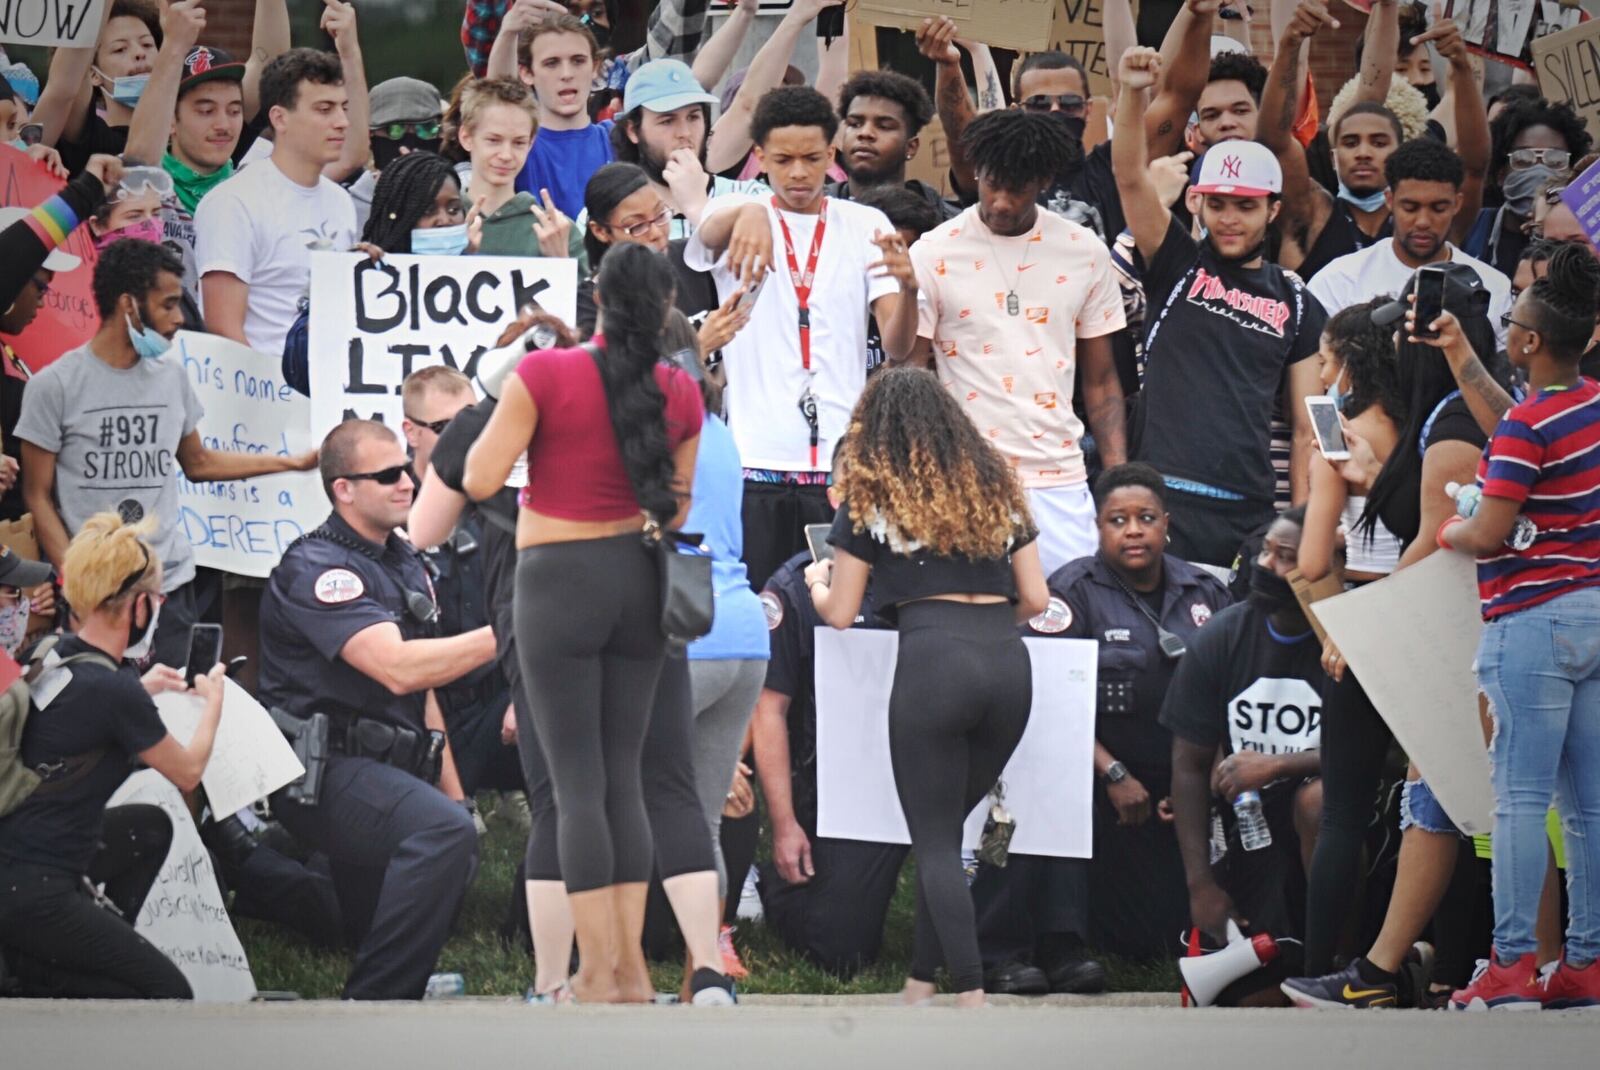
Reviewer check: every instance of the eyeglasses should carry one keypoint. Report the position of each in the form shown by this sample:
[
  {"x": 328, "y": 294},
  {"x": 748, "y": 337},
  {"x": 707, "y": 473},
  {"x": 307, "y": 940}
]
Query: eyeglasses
[
  {"x": 639, "y": 230},
  {"x": 1555, "y": 159},
  {"x": 436, "y": 426},
  {"x": 1071, "y": 105},
  {"x": 140, "y": 181},
  {"x": 427, "y": 130},
  {"x": 386, "y": 477},
  {"x": 1506, "y": 323}
]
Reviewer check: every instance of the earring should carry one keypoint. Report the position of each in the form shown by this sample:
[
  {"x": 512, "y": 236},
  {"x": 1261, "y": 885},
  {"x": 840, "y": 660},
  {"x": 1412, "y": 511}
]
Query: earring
[{"x": 1527, "y": 349}]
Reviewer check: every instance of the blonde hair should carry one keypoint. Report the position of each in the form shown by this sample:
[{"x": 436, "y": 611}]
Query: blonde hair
[
  {"x": 103, "y": 559},
  {"x": 1405, "y": 100},
  {"x": 481, "y": 94},
  {"x": 438, "y": 377}
]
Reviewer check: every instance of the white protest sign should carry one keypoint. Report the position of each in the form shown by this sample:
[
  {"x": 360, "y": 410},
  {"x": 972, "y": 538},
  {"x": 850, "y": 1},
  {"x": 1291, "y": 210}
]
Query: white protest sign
[
  {"x": 1411, "y": 639},
  {"x": 184, "y": 915},
  {"x": 374, "y": 323},
  {"x": 244, "y": 525},
  {"x": 1048, "y": 779},
  {"x": 51, "y": 23},
  {"x": 250, "y": 758}
]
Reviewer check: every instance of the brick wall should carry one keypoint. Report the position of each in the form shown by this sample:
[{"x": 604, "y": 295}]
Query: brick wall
[
  {"x": 1333, "y": 52},
  {"x": 228, "y": 25}
]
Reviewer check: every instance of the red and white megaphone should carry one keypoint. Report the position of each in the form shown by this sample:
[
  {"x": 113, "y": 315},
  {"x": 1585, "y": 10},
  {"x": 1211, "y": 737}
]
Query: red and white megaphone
[{"x": 1206, "y": 974}]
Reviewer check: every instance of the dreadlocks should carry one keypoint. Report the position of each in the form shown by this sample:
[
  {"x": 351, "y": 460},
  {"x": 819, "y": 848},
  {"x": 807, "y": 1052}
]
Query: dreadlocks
[
  {"x": 405, "y": 192},
  {"x": 1013, "y": 148}
]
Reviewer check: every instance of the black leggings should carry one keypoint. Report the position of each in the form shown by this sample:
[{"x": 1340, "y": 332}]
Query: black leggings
[
  {"x": 1355, "y": 741},
  {"x": 963, "y": 685},
  {"x": 61, "y": 944},
  {"x": 589, "y": 638}
]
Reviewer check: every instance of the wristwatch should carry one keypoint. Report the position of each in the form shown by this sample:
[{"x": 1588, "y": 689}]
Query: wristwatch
[{"x": 1116, "y": 773}]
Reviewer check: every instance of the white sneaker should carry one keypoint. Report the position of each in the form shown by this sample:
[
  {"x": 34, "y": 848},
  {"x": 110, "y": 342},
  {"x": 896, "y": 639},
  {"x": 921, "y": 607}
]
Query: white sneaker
[{"x": 750, "y": 908}]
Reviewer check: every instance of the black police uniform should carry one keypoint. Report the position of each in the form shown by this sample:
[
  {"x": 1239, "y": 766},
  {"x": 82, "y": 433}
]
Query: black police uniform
[
  {"x": 1138, "y": 900},
  {"x": 402, "y": 853},
  {"x": 836, "y": 919}
]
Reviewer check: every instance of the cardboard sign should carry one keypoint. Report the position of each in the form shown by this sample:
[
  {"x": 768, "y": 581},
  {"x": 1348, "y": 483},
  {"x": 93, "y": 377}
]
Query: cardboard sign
[
  {"x": 243, "y": 526},
  {"x": 1568, "y": 66},
  {"x": 932, "y": 163},
  {"x": 1582, "y": 195},
  {"x": 374, "y": 323},
  {"x": 1007, "y": 23},
  {"x": 1078, "y": 29},
  {"x": 250, "y": 759},
  {"x": 1506, "y": 30},
  {"x": 65, "y": 23},
  {"x": 184, "y": 915},
  {"x": 1047, "y": 781},
  {"x": 1411, "y": 639},
  {"x": 67, "y": 316}
]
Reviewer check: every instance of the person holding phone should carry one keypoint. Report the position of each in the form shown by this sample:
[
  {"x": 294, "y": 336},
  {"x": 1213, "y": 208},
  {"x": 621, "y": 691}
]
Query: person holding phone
[
  {"x": 935, "y": 515},
  {"x": 92, "y": 717}
]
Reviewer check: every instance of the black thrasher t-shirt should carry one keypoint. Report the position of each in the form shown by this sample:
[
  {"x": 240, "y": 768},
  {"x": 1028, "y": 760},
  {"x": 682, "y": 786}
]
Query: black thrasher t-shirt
[
  {"x": 1243, "y": 685},
  {"x": 1219, "y": 340}
]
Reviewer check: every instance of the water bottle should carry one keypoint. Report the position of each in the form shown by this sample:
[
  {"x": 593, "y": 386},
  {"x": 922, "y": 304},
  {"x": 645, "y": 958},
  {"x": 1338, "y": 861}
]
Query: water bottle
[
  {"x": 445, "y": 986},
  {"x": 1219, "y": 838},
  {"x": 1523, "y": 532},
  {"x": 1253, "y": 831}
]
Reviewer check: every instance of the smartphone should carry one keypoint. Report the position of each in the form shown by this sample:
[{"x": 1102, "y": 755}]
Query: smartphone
[
  {"x": 205, "y": 650},
  {"x": 1430, "y": 299},
  {"x": 817, "y": 539},
  {"x": 748, "y": 299},
  {"x": 1325, "y": 424}
]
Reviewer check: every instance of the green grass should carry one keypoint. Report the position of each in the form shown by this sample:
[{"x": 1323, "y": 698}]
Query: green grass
[{"x": 282, "y": 961}]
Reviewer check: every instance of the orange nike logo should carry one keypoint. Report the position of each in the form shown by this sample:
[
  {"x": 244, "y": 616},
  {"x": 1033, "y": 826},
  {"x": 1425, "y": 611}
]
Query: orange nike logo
[
  {"x": 1025, "y": 267},
  {"x": 1031, "y": 352},
  {"x": 1351, "y": 993}
]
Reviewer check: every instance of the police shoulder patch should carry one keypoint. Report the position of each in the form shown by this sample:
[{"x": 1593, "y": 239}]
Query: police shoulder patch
[
  {"x": 772, "y": 605},
  {"x": 339, "y": 585},
  {"x": 1199, "y": 613}
]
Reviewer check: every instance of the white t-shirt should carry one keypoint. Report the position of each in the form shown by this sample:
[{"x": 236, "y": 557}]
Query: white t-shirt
[
  {"x": 260, "y": 226},
  {"x": 1376, "y": 271},
  {"x": 766, "y": 377}
]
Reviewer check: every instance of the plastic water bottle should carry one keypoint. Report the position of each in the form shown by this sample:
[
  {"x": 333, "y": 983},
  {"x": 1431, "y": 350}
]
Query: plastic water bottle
[
  {"x": 445, "y": 986},
  {"x": 1219, "y": 838},
  {"x": 1253, "y": 831},
  {"x": 1523, "y": 532}
]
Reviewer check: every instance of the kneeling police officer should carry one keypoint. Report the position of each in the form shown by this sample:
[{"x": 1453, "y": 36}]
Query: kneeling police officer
[{"x": 348, "y": 633}]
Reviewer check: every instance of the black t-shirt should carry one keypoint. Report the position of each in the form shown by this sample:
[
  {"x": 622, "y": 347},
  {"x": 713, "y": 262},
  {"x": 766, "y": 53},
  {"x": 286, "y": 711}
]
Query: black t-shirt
[
  {"x": 905, "y": 577},
  {"x": 1341, "y": 235},
  {"x": 1245, "y": 687},
  {"x": 499, "y": 541},
  {"x": 1218, "y": 343},
  {"x": 95, "y": 138},
  {"x": 696, "y": 294},
  {"x": 97, "y": 708},
  {"x": 1452, "y": 422}
]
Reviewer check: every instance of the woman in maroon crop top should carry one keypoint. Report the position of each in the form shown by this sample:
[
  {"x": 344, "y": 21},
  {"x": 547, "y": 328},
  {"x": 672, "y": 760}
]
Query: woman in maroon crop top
[{"x": 608, "y": 438}]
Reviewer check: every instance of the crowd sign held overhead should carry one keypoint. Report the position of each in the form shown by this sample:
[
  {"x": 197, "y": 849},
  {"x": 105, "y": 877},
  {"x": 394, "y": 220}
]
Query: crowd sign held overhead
[
  {"x": 243, "y": 526},
  {"x": 1568, "y": 66},
  {"x": 374, "y": 323},
  {"x": 1020, "y": 24},
  {"x": 51, "y": 23},
  {"x": 67, "y": 316},
  {"x": 1079, "y": 31},
  {"x": 1510, "y": 30}
]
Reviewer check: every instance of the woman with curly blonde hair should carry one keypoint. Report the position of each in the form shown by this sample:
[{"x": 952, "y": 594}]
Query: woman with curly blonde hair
[{"x": 935, "y": 514}]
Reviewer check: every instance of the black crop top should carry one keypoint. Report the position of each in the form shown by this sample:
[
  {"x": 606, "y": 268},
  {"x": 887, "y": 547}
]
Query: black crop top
[{"x": 899, "y": 578}]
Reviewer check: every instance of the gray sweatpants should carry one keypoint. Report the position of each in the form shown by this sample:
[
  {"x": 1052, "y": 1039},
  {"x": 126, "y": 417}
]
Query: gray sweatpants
[{"x": 725, "y": 693}]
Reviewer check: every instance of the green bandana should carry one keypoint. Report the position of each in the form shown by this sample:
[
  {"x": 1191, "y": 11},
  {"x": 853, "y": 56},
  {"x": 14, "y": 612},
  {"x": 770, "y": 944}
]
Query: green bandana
[{"x": 191, "y": 184}]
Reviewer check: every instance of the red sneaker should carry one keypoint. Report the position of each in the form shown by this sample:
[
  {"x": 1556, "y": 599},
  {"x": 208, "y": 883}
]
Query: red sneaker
[
  {"x": 731, "y": 966},
  {"x": 1570, "y": 989},
  {"x": 1501, "y": 988}
]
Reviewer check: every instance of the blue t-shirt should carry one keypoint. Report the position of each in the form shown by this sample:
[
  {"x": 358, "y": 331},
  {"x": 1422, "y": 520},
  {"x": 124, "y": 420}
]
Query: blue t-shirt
[
  {"x": 739, "y": 628},
  {"x": 563, "y": 161}
]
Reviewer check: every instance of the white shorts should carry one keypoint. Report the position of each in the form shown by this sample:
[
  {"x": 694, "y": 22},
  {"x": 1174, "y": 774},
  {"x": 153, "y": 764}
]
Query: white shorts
[{"x": 1065, "y": 517}]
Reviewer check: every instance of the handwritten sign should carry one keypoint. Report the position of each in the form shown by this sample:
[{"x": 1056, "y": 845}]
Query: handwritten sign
[
  {"x": 250, "y": 759},
  {"x": 243, "y": 526},
  {"x": 64, "y": 23},
  {"x": 67, "y": 316},
  {"x": 1079, "y": 30},
  {"x": 1048, "y": 779},
  {"x": 1018, "y": 24},
  {"x": 932, "y": 162},
  {"x": 1582, "y": 195},
  {"x": 1568, "y": 66},
  {"x": 184, "y": 915},
  {"x": 1507, "y": 30},
  {"x": 373, "y": 324}
]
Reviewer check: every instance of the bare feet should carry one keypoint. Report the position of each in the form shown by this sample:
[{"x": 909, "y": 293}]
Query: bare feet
[
  {"x": 634, "y": 984},
  {"x": 971, "y": 999},
  {"x": 917, "y": 993},
  {"x": 595, "y": 988}
]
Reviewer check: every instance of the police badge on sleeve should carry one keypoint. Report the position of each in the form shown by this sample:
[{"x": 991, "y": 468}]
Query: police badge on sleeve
[{"x": 337, "y": 586}]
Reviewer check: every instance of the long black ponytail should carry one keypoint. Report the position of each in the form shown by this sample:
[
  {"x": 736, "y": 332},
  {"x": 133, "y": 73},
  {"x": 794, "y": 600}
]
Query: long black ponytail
[{"x": 636, "y": 290}]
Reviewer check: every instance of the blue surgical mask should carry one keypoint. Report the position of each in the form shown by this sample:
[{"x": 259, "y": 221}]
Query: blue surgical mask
[
  {"x": 149, "y": 344},
  {"x": 440, "y": 241},
  {"x": 1370, "y": 203},
  {"x": 127, "y": 90},
  {"x": 1339, "y": 396}
]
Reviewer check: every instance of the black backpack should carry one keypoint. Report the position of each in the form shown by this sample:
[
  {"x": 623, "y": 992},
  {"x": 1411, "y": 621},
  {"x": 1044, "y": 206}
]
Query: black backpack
[{"x": 19, "y": 781}]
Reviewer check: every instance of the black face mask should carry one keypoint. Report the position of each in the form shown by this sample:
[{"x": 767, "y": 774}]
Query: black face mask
[
  {"x": 1271, "y": 593},
  {"x": 1074, "y": 127},
  {"x": 386, "y": 150},
  {"x": 1430, "y": 93}
]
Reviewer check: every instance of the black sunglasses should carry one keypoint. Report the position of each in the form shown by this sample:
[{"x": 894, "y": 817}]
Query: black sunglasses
[
  {"x": 1070, "y": 103},
  {"x": 1506, "y": 323},
  {"x": 386, "y": 477},
  {"x": 436, "y": 426},
  {"x": 426, "y": 129}
]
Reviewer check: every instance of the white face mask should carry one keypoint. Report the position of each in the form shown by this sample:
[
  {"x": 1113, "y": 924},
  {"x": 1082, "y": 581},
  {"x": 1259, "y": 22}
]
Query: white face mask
[
  {"x": 140, "y": 649},
  {"x": 13, "y": 625}
]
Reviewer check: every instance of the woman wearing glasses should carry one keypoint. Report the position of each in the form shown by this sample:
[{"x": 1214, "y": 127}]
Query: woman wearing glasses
[
  {"x": 91, "y": 718},
  {"x": 1533, "y": 141}
]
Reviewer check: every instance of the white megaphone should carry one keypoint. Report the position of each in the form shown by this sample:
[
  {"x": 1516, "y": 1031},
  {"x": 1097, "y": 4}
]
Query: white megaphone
[{"x": 1206, "y": 975}]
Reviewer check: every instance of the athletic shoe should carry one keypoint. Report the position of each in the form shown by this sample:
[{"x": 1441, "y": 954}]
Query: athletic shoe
[
  {"x": 731, "y": 964},
  {"x": 750, "y": 908},
  {"x": 1569, "y": 989},
  {"x": 1501, "y": 988},
  {"x": 1077, "y": 976},
  {"x": 513, "y": 808},
  {"x": 1346, "y": 989},
  {"x": 712, "y": 989},
  {"x": 1016, "y": 979}
]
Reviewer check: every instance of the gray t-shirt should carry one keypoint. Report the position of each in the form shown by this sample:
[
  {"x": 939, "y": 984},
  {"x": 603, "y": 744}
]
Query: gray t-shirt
[{"x": 115, "y": 435}]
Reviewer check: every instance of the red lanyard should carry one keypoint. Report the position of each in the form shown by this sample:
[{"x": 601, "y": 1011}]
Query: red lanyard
[{"x": 802, "y": 293}]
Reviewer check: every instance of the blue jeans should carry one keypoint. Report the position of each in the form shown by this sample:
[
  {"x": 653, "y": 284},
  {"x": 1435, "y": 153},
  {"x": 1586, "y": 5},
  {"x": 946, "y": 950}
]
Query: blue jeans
[{"x": 1540, "y": 668}]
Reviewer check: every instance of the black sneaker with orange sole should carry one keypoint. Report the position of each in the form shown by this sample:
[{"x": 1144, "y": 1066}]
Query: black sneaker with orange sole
[{"x": 1343, "y": 990}]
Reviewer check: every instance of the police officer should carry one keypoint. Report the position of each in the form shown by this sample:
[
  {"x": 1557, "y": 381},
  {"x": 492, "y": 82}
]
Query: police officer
[
  {"x": 347, "y": 630},
  {"x": 1142, "y": 606}
]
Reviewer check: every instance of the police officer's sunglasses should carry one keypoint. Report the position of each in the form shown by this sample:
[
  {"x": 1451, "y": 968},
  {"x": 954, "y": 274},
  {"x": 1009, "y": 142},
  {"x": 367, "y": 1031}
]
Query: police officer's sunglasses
[
  {"x": 436, "y": 426},
  {"x": 386, "y": 477}
]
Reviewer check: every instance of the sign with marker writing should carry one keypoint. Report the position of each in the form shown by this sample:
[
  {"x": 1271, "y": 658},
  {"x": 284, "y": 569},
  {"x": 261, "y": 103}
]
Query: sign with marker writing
[
  {"x": 184, "y": 915},
  {"x": 51, "y": 23},
  {"x": 375, "y": 322},
  {"x": 1568, "y": 66},
  {"x": 1079, "y": 31},
  {"x": 1018, "y": 24},
  {"x": 244, "y": 525},
  {"x": 1582, "y": 195},
  {"x": 250, "y": 758},
  {"x": 67, "y": 316}
]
